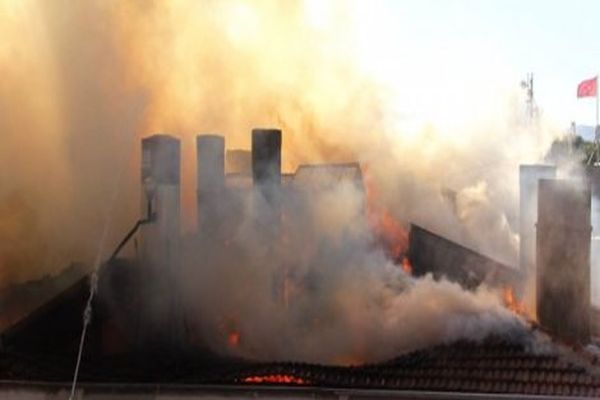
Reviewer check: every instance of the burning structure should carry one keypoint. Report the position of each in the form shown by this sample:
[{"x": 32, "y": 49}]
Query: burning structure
[
  {"x": 293, "y": 277},
  {"x": 156, "y": 307}
]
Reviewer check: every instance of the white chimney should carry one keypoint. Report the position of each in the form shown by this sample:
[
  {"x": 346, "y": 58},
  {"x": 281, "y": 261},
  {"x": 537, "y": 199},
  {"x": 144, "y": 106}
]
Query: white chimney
[{"x": 160, "y": 241}]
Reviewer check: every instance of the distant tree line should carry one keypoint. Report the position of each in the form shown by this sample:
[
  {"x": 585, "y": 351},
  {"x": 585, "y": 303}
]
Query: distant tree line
[{"x": 570, "y": 147}]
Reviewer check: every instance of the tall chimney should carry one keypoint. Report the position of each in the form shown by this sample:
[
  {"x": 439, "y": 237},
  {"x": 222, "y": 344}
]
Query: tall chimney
[
  {"x": 210, "y": 152},
  {"x": 266, "y": 174},
  {"x": 160, "y": 240},
  {"x": 529, "y": 175},
  {"x": 563, "y": 258},
  {"x": 593, "y": 174},
  {"x": 266, "y": 157}
]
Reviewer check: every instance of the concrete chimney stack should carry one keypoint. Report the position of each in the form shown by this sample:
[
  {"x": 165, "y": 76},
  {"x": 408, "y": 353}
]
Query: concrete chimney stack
[
  {"x": 161, "y": 195},
  {"x": 266, "y": 157},
  {"x": 529, "y": 176},
  {"x": 593, "y": 175},
  {"x": 160, "y": 240},
  {"x": 210, "y": 153},
  {"x": 563, "y": 258},
  {"x": 266, "y": 175}
]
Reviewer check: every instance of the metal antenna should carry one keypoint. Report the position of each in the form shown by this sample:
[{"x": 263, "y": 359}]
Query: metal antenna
[{"x": 527, "y": 85}]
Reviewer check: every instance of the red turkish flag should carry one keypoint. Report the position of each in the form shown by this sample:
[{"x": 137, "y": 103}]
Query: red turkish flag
[{"x": 588, "y": 88}]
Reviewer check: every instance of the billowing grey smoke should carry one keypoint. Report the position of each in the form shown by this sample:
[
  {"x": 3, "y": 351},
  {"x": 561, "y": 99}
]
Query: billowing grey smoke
[
  {"x": 322, "y": 289},
  {"x": 87, "y": 79}
]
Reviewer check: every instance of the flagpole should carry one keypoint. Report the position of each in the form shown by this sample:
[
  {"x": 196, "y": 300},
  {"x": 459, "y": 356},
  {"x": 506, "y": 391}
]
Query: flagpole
[{"x": 596, "y": 129}]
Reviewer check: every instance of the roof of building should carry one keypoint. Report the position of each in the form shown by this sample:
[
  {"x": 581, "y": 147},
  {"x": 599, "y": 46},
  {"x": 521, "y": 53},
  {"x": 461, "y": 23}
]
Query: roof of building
[
  {"x": 495, "y": 365},
  {"x": 20, "y": 300},
  {"x": 431, "y": 253},
  {"x": 327, "y": 174},
  {"x": 530, "y": 365}
]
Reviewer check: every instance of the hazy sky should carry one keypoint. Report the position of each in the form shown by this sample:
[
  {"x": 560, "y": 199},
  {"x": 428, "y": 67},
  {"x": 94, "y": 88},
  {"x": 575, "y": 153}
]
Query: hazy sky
[{"x": 494, "y": 41}]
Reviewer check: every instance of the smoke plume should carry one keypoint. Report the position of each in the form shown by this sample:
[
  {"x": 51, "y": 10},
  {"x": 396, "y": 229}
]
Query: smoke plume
[
  {"x": 83, "y": 81},
  {"x": 321, "y": 289}
]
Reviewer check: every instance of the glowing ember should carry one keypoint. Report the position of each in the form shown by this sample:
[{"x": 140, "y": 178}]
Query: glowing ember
[
  {"x": 233, "y": 339},
  {"x": 386, "y": 228},
  {"x": 407, "y": 266},
  {"x": 512, "y": 303},
  {"x": 284, "y": 379}
]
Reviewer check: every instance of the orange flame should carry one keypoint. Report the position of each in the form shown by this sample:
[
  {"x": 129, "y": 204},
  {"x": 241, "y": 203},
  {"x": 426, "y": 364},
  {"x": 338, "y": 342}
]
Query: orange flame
[
  {"x": 233, "y": 339},
  {"x": 407, "y": 266},
  {"x": 512, "y": 302},
  {"x": 285, "y": 379},
  {"x": 385, "y": 227}
]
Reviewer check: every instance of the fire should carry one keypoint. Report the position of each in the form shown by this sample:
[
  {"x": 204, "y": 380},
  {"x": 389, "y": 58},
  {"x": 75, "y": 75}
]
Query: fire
[
  {"x": 512, "y": 302},
  {"x": 386, "y": 228},
  {"x": 283, "y": 379},
  {"x": 407, "y": 266},
  {"x": 233, "y": 339},
  {"x": 230, "y": 331}
]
